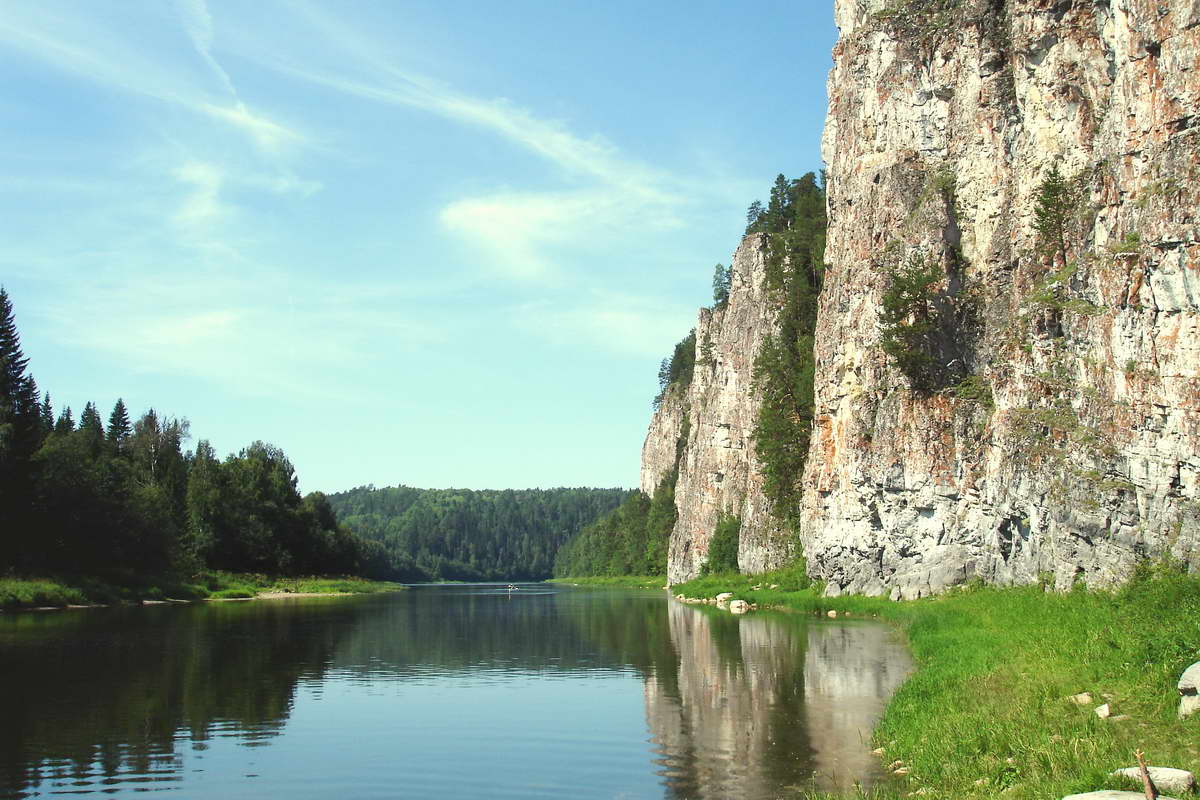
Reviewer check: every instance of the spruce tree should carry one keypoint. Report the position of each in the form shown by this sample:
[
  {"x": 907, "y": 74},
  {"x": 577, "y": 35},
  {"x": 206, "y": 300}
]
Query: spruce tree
[
  {"x": 20, "y": 433},
  {"x": 46, "y": 414},
  {"x": 92, "y": 427},
  {"x": 118, "y": 426}
]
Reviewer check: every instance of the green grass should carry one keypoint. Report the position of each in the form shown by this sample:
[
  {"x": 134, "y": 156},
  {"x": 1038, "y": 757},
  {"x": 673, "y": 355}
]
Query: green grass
[
  {"x": 225, "y": 585},
  {"x": 121, "y": 588},
  {"x": 986, "y": 713},
  {"x": 36, "y": 592},
  {"x": 617, "y": 581}
]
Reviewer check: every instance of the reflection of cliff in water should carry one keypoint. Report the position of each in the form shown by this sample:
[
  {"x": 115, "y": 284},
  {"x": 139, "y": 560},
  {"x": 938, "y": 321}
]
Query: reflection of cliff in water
[{"x": 765, "y": 702}]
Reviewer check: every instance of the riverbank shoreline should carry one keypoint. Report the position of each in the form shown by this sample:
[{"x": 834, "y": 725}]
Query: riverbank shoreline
[
  {"x": 82, "y": 592},
  {"x": 614, "y": 581},
  {"x": 1009, "y": 682}
]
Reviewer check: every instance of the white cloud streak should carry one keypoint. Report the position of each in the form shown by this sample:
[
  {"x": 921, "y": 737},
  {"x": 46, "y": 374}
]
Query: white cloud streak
[{"x": 83, "y": 46}]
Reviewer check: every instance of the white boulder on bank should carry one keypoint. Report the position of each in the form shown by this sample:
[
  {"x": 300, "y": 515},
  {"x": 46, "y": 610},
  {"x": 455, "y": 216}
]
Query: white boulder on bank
[
  {"x": 1167, "y": 779},
  {"x": 738, "y": 607},
  {"x": 1189, "y": 691},
  {"x": 1110, "y": 794}
]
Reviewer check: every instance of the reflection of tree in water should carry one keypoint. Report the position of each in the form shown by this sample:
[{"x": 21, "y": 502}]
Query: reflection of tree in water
[
  {"x": 91, "y": 695},
  {"x": 107, "y": 693},
  {"x": 738, "y": 707},
  {"x": 530, "y": 631}
]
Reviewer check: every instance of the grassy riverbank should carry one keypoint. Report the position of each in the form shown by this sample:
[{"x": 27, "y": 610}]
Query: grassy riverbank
[
  {"x": 42, "y": 592},
  {"x": 987, "y": 713},
  {"x": 616, "y": 581}
]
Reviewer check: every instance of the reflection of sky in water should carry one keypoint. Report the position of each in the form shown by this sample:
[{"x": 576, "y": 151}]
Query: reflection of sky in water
[
  {"x": 454, "y": 691},
  {"x": 508, "y": 736}
]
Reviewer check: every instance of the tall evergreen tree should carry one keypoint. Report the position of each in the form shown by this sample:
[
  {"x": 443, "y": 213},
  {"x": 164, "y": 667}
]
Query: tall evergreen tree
[
  {"x": 66, "y": 421},
  {"x": 20, "y": 432},
  {"x": 92, "y": 429},
  {"x": 118, "y": 425},
  {"x": 47, "y": 416}
]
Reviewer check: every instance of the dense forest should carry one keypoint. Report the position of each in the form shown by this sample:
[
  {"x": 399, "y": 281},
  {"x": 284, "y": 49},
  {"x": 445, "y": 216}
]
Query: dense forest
[
  {"x": 633, "y": 539},
  {"x": 463, "y": 534},
  {"x": 125, "y": 499}
]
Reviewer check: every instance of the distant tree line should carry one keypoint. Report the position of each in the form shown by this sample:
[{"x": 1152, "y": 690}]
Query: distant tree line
[
  {"x": 463, "y": 534},
  {"x": 125, "y": 497},
  {"x": 632, "y": 540}
]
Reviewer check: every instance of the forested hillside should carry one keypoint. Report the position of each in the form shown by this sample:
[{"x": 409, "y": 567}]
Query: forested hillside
[
  {"x": 463, "y": 534},
  {"x": 124, "y": 500}
]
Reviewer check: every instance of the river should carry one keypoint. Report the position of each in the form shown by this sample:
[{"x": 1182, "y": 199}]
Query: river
[{"x": 441, "y": 692}]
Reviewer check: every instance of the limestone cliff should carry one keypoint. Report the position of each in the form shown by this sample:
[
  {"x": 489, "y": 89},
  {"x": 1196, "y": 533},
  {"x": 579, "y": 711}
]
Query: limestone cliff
[
  {"x": 1064, "y": 444},
  {"x": 945, "y": 120},
  {"x": 718, "y": 470}
]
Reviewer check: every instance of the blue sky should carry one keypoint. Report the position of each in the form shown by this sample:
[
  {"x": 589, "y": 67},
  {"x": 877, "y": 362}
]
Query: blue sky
[{"x": 432, "y": 243}]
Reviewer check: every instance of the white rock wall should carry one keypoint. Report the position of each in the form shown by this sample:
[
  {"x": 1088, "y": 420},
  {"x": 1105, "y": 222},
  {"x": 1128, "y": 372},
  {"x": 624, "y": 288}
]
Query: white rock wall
[{"x": 1090, "y": 458}]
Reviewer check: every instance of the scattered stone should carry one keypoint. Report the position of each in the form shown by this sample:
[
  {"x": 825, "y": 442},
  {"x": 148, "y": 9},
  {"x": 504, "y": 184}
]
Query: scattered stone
[
  {"x": 901, "y": 771},
  {"x": 774, "y": 585},
  {"x": 738, "y": 606},
  {"x": 1109, "y": 794},
  {"x": 1189, "y": 691},
  {"x": 1103, "y": 712},
  {"x": 1166, "y": 779},
  {"x": 724, "y": 597},
  {"x": 878, "y": 751},
  {"x": 897, "y": 764},
  {"x": 1081, "y": 699},
  {"x": 831, "y": 614}
]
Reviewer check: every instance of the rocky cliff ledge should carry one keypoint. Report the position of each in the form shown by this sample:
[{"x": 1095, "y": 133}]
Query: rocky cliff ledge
[{"x": 1064, "y": 444}]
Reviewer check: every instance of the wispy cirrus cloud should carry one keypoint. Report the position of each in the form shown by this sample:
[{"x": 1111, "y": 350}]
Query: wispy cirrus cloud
[
  {"x": 87, "y": 46},
  {"x": 600, "y": 188}
]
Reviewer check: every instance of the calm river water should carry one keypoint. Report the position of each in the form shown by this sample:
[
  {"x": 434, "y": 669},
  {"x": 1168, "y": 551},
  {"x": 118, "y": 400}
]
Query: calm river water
[{"x": 440, "y": 692}]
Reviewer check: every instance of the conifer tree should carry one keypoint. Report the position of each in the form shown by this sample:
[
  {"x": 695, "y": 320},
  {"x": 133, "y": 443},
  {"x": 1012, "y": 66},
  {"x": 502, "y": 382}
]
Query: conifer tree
[
  {"x": 92, "y": 427},
  {"x": 46, "y": 413},
  {"x": 118, "y": 426},
  {"x": 20, "y": 432},
  {"x": 66, "y": 421}
]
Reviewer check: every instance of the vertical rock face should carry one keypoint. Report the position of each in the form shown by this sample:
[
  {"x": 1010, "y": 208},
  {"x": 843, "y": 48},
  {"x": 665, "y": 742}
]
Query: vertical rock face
[
  {"x": 945, "y": 119},
  {"x": 1062, "y": 443},
  {"x": 718, "y": 471}
]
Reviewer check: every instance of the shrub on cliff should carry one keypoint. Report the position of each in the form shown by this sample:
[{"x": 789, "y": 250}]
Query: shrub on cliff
[
  {"x": 907, "y": 319},
  {"x": 723, "y": 548}
]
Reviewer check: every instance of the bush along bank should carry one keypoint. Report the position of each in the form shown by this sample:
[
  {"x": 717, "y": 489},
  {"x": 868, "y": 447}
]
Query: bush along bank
[
  {"x": 44, "y": 593},
  {"x": 1021, "y": 692}
]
